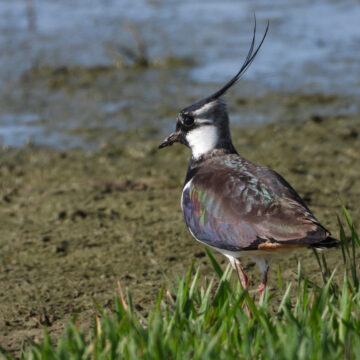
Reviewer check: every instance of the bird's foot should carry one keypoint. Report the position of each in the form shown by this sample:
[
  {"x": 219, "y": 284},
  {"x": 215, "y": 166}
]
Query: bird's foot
[{"x": 262, "y": 287}]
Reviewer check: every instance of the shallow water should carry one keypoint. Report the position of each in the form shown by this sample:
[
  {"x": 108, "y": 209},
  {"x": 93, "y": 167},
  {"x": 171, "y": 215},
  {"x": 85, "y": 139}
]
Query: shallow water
[{"x": 310, "y": 48}]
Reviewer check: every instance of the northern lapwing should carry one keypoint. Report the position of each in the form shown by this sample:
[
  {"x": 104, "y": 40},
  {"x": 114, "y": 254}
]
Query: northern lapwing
[{"x": 232, "y": 204}]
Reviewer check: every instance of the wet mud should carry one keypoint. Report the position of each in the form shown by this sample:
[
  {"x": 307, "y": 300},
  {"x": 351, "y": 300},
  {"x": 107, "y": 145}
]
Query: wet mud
[{"x": 75, "y": 222}]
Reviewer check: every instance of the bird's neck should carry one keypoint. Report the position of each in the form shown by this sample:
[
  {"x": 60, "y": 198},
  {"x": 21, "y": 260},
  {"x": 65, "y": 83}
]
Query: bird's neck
[
  {"x": 195, "y": 164},
  {"x": 209, "y": 141}
]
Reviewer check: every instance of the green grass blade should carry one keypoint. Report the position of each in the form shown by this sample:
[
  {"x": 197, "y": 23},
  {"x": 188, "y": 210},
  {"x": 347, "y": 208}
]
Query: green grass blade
[{"x": 214, "y": 263}]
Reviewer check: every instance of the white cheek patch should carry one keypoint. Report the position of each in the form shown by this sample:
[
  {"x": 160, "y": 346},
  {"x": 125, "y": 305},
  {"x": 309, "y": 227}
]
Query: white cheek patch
[{"x": 202, "y": 140}]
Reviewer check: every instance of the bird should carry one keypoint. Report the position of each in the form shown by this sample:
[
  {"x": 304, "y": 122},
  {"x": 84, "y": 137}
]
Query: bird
[{"x": 231, "y": 204}]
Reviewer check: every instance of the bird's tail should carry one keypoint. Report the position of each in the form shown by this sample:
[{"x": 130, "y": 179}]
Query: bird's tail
[{"x": 329, "y": 242}]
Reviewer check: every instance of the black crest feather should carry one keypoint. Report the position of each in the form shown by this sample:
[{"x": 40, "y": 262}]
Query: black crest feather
[{"x": 248, "y": 60}]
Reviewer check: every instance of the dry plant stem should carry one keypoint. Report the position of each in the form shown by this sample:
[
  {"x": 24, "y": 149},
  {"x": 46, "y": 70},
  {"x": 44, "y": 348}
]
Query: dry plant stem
[
  {"x": 140, "y": 46},
  {"x": 31, "y": 15},
  {"x": 122, "y": 297}
]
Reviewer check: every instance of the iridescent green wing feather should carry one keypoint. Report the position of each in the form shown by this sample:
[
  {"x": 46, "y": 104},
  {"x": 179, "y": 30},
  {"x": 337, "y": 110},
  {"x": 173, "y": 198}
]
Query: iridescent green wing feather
[{"x": 234, "y": 204}]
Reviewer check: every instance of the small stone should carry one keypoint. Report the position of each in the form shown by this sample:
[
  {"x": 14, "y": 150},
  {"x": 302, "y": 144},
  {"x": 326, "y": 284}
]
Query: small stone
[
  {"x": 317, "y": 119},
  {"x": 62, "y": 215},
  {"x": 127, "y": 277},
  {"x": 200, "y": 254},
  {"x": 79, "y": 213},
  {"x": 46, "y": 239}
]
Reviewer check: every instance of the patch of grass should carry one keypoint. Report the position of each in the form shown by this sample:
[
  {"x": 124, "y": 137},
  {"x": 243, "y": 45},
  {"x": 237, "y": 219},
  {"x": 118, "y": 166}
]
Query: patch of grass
[{"x": 212, "y": 322}]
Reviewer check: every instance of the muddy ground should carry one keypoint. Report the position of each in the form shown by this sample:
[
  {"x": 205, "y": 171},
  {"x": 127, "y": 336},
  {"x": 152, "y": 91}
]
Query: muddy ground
[{"x": 75, "y": 222}]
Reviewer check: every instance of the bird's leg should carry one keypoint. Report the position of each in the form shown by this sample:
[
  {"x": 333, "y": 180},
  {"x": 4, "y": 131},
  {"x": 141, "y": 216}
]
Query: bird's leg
[
  {"x": 242, "y": 276},
  {"x": 262, "y": 286},
  {"x": 244, "y": 281}
]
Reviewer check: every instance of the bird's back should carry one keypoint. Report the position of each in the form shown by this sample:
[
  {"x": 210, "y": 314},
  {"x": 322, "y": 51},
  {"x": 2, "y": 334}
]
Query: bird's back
[{"x": 233, "y": 204}]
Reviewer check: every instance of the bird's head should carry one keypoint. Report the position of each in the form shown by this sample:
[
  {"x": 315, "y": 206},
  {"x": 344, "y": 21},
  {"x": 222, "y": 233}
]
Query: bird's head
[{"x": 204, "y": 126}]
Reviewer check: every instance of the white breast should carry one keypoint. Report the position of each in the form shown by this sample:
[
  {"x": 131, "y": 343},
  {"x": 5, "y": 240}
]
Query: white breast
[{"x": 187, "y": 185}]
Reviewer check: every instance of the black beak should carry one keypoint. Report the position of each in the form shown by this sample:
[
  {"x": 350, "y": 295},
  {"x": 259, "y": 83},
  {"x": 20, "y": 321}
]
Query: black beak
[{"x": 173, "y": 137}]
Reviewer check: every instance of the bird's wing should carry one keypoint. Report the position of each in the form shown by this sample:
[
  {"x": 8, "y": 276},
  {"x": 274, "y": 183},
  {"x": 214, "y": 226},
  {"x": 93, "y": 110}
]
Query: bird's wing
[{"x": 238, "y": 210}]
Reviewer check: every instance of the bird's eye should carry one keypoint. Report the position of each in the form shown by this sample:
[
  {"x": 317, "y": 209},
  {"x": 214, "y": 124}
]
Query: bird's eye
[{"x": 188, "y": 120}]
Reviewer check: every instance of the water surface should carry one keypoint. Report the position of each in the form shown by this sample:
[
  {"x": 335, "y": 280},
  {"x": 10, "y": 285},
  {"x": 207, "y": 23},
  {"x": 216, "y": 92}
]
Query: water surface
[{"x": 311, "y": 48}]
